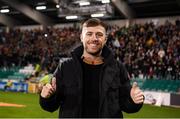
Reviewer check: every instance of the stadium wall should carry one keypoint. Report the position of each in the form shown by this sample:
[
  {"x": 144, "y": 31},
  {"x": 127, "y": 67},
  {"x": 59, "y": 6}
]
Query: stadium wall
[
  {"x": 175, "y": 99},
  {"x": 17, "y": 87},
  {"x": 120, "y": 23},
  {"x": 162, "y": 98}
]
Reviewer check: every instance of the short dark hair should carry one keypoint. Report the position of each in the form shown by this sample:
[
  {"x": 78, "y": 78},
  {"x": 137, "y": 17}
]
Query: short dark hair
[{"x": 93, "y": 22}]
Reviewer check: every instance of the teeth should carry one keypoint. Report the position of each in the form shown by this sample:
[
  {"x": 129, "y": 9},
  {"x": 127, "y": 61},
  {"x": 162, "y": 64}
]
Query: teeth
[{"x": 93, "y": 45}]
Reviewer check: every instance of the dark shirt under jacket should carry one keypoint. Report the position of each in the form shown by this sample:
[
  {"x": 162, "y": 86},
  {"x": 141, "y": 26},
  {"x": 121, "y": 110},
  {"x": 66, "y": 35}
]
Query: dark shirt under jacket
[{"x": 90, "y": 102}]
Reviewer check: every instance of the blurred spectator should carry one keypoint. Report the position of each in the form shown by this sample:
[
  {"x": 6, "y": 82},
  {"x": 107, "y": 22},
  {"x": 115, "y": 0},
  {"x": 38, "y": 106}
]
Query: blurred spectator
[{"x": 8, "y": 85}]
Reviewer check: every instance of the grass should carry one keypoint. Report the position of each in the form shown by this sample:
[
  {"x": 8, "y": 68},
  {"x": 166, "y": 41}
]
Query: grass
[
  {"x": 33, "y": 109},
  {"x": 150, "y": 111}
]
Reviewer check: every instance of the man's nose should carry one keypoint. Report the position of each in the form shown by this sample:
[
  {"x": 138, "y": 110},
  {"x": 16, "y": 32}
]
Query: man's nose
[{"x": 94, "y": 36}]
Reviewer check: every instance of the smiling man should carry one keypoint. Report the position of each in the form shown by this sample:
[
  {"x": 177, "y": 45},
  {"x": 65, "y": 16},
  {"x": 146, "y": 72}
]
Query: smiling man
[
  {"x": 92, "y": 83},
  {"x": 94, "y": 39}
]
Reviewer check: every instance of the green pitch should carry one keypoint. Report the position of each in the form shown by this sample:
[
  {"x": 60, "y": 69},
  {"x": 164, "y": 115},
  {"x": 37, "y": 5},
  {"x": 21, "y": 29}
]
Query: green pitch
[{"x": 33, "y": 110}]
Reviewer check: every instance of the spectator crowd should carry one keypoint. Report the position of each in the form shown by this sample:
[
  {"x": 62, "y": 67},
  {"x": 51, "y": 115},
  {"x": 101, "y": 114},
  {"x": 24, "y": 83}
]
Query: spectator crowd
[
  {"x": 21, "y": 47},
  {"x": 147, "y": 50}
]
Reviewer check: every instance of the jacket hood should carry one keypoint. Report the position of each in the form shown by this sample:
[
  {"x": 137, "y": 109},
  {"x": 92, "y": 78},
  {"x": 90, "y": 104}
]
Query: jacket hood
[{"x": 106, "y": 53}]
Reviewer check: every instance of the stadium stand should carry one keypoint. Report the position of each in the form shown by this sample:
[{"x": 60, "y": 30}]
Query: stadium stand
[
  {"x": 171, "y": 86},
  {"x": 150, "y": 52}
]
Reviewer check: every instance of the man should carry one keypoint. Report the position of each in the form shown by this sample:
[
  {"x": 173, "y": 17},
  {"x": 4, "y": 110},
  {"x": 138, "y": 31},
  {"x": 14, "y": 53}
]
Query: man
[
  {"x": 8, "y": 85},
  {"x": 92, "y": 83}
]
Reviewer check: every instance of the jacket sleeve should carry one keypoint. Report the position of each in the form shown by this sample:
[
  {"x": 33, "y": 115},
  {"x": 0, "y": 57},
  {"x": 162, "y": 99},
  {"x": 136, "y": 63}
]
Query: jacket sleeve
[
  {"x": 49, "y": 104},
  {"x": 126, "y": 102},
  {"x": 52, "y": 103}
]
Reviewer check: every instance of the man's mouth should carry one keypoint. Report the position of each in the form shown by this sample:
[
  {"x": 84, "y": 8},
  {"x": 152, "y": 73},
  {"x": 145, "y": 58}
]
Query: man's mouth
[{"x": 93, "y": 44}]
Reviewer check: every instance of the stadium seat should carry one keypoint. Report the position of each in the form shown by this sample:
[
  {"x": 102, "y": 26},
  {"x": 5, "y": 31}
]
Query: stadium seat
[{"x": 171, "y": 86}]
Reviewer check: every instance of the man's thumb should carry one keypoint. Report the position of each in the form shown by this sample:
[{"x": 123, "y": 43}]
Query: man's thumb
[
  {"x": 53, "y": 82},
  {"x": 135, "y": 85}
]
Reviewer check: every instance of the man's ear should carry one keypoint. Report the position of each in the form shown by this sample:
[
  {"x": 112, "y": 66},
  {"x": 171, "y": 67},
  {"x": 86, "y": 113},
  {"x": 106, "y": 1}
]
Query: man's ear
[
  {"x": 106, "y": 38},
  {"x": 81, "y": 37}
]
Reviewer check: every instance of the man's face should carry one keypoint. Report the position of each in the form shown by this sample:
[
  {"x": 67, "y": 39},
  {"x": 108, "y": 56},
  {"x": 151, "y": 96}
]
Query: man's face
[{"x": 93, "y": 39}]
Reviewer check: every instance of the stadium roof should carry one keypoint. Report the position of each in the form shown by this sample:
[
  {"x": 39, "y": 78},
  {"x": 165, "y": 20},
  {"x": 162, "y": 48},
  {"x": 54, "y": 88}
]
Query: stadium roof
[{"x": 29, "y": 12}]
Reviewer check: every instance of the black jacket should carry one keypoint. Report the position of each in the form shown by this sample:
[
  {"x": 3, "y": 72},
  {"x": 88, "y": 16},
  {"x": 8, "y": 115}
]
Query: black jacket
[{"x": 114, "y": 88}]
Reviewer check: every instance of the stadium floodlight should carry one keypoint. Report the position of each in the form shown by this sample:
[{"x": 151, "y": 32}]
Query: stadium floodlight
[
  {"x": 97, "y": 15},
  {"x": 84, "y": 3},
  {"x": 4, "y": 10},
  {"x": 57, "y": 6},
  {"x": 40, "y": 7},
  {"x": 105, "y": 1},
  {"x": 71, "y": 17},
  {"x": 45, "y": 35}
]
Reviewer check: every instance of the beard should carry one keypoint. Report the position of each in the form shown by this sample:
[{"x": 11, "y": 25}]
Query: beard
[{"x": 95, "y": 51}]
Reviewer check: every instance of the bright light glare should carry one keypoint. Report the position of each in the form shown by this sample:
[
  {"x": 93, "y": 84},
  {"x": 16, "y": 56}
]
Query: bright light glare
[
  {"x": 105, "y": 1},
  {"x": 84, "y": 3},
  {"x": 71, "y": 17},
  {"x": 4, "y": 10},
  {"x": 45, "y": 35},
  {"x": 57, "y": 6},
  {"x": 40, "y": 7},
  {"x": 97, "y": 15}
]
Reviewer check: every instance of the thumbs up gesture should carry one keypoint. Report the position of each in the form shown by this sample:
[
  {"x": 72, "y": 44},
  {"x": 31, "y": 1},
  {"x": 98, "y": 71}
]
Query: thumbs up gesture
[
  {"x": 136, "y": 94},
  {"x": 47, "y": 86}
]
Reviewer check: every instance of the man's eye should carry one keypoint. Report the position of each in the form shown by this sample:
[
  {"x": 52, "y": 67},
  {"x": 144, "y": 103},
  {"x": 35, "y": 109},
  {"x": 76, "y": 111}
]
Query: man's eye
[
  {"x": 99, "y": 34},
  {"x": 89, "y": 34}
]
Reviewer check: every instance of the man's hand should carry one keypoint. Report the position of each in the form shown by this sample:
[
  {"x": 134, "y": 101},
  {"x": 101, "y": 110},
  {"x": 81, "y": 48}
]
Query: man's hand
[
  {"x": 49, "y": 89},
  {"x": 136, "y": 94}
]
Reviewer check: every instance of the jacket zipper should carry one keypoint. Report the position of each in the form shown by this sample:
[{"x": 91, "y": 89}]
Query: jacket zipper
[
  {"x": 100, "y": 91},
  {"x": 80, "y": 86}
]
